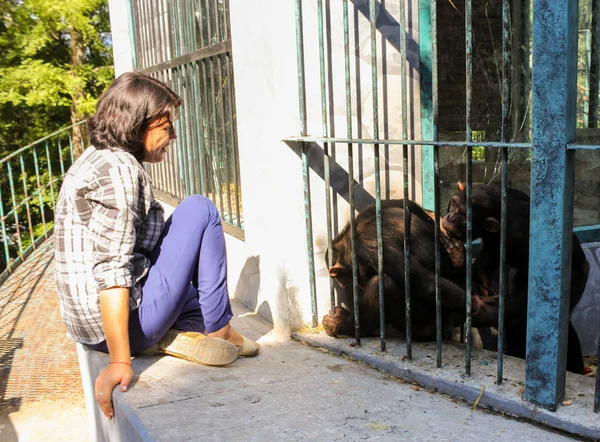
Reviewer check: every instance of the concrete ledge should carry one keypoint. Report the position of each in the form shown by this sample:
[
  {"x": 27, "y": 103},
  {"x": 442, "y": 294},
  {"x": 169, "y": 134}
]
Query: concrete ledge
[
  {"x": 290, "y": 392},
  {"x": 578, "y": 418},
  {"x": 125, "y": 426}
]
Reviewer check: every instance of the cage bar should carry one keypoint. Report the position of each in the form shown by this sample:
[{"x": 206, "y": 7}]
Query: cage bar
[
  {"x": 506, "y": 62},
  {"x": 378, "y": 217},
  {"x": 469, "y": 202},
  {"x": 553, "y": 117}
]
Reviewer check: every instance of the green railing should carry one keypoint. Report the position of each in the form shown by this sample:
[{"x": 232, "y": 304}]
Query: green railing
[{"x": 30, "y": 179}]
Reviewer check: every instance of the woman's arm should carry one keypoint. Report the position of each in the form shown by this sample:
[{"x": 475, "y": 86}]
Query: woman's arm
[
  {"x": 113, "y": 233},
  {"x": 114, "y": 306}
]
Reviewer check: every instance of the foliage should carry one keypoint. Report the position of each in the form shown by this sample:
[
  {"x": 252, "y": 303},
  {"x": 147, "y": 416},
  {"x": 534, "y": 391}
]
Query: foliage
[
  {"x": 37, "y": 79},
  {"x": 56, "y": 60}
]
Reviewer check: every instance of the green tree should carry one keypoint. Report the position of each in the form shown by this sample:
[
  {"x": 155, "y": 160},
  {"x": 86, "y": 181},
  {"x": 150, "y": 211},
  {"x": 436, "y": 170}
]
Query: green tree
[{"x": 56, "y": 60}]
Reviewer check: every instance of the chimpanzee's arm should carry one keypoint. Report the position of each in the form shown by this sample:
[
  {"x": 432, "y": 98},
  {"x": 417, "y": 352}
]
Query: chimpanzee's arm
[
  {"x": 453, "y": 296},
  {"x": 342, "y": 321}
]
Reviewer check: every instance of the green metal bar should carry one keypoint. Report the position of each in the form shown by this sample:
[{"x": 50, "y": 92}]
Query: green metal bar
[
  {"x": 407, "y": 232},
  {"x": 183, "y": 152},
  {"x": 597, "y": 393},
  {"x": 312, "y": 139},
  {"x": 506, "y": 66},
  {"x": 586, "y": 77},
  {"x": 351, "y": 175},
  {"x": 436, "y": 181},
  {"x": 154, "y": 40},
  {"x": 206, "y": 129},
  {"x": 47, "y": 137},
  {"x": 195, "y": 144},
  {"x": 187, "y": 34},
  {"x": 213, "y": 119},
  {"x": 554, "y": 91},
  {"x": 373, "y": 19},
  {"x": 594, "y": 68},
  {"x": 133, "y": 29},
  {"x": 51, "y": 182},
  {"x": 223, "y": 149},
  {"x": 39, "y": 187},
  {"x": 175, "y": 172},
  {"x": 71, "y": 149},
  {"x": 405, "y": 165},
  {"x": 139, "y": 26},
  {"x": 233, "y": 137},
  {"x": 305, "y": 168},
  {"x": 26, "y": 194},
  {"x": 209, "y": 26},
  {"x": 198, "y": 112},
  {"x": 200, "y": 23},
  {"x": 216, "y": 148},
  {"x": 164, "y": 30},
  {"x": 300, "y": 60},
  {"x": 573, "y": 146},
  {"x": 469, "y": 138},
  {"x": 215, "y": 8},
  {"x": 225, "y": 20},
  {"x": 178, "y": 42},
  {"x": 427, "y": 27},
  {"x": 14, "y": 204},
  {"x": 191, "y": 129},
  {"x": 146, "y": 31},
  {"x": 60, "y": 156},
  {"x": 4, "y": 234},
  {"x": 194, "y": 25},
  {"x": 326, "y": 158}
]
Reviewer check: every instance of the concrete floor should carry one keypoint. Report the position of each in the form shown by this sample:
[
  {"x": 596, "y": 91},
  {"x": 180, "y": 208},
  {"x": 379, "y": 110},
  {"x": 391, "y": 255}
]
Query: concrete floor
[
  {"x": 294, "y": 392},
  {"x": 46, "y": 422}
]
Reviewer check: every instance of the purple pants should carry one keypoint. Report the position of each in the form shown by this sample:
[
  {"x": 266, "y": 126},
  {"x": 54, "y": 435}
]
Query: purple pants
[{"x": 186, "y": 285}]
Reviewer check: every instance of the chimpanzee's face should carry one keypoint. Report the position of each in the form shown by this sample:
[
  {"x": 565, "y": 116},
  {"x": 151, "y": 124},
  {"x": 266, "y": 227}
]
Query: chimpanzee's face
[
  {"x": 341, "y": 268},
  {"x": 454, "y": 221}
]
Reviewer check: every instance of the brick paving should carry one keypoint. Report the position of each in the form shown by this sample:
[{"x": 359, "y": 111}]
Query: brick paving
[{"x": 37, "y": 361}]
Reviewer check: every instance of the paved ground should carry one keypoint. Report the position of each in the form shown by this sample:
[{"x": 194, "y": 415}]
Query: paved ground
[
  {"x": 292, "y": 392},
  {"x": 289, "y": 392},
  {"x": 41, "y": 397}
]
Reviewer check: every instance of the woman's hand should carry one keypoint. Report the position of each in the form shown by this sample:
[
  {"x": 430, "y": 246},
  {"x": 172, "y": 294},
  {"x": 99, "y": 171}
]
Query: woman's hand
[
  {"x": 115, "y": 314},
  {"x": 113, "y": 375}
]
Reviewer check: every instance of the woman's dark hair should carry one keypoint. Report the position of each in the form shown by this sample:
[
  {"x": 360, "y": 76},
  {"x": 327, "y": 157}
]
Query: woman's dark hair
[{"x": 125, "y": 109}]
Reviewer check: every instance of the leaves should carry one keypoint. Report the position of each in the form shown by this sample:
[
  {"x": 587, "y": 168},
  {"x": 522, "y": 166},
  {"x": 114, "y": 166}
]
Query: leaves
[{"x": 38, "y": 84}]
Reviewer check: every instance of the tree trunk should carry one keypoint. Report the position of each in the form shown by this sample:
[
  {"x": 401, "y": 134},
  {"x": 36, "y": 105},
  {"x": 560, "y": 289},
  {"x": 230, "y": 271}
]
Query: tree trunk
[{"x": 79, "y": 133}]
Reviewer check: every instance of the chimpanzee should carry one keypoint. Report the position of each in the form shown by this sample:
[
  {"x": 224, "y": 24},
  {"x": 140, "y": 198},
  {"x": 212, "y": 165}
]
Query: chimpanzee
[
  {"x": 422, "y": 275},
  {"x": 486, "y": 225}
]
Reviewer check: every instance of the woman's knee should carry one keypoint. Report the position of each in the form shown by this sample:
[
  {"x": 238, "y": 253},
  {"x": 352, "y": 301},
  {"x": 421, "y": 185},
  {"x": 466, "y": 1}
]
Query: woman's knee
[{"x": 199, "y": 206}]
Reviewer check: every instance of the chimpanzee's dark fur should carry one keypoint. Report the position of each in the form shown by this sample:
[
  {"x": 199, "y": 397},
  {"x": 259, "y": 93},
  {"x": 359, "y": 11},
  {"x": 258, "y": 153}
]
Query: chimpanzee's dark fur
[
  {"x": 422, "y": 276},
  {"x": 486, "y": 225}
]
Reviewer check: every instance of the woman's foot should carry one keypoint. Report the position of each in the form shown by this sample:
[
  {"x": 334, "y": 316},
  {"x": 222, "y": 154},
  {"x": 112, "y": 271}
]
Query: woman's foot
[
  {"x": 196, "y": 347},
  {"x": 245, "y": 346}
]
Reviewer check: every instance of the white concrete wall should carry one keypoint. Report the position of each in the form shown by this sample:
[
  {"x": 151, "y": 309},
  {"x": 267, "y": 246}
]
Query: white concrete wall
[
  {"x": 119, "y": 25},
  {"x": 269, "y": 270},
  {"x": 275, "y": 274}
]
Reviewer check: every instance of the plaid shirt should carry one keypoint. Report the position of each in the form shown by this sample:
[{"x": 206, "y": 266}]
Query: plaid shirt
[{"x": 106, "y": 224}]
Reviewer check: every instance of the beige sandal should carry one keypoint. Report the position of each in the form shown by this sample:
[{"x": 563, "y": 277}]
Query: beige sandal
[
  {"x": 196, "y": 347},
  {"x": 248, "y": 348}
]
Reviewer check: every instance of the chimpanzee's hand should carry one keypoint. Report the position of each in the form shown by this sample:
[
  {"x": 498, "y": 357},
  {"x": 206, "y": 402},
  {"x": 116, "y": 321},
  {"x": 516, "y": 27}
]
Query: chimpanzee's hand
[
  {"x": 454, "y": 247},
  {"x": 484, "y": 310},
  {"x": 339, "y": 323}
]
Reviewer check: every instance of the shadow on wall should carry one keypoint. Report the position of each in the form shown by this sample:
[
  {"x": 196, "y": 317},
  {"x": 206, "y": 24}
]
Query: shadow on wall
[
  {"x": 248, "y": 286},
  {"x": 286, "y": 314}
]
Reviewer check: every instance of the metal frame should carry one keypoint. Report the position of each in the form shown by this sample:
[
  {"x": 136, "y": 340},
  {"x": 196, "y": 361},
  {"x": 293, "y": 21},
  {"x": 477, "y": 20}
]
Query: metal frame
[
  {"x": 20, "y": 200},
  {"x": 187, "y": 44},
  {"x": 552, "y": 177}
]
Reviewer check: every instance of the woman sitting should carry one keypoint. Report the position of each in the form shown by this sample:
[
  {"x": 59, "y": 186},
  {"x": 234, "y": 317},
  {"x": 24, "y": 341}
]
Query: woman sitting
[{"x": 127, "y": 279}]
